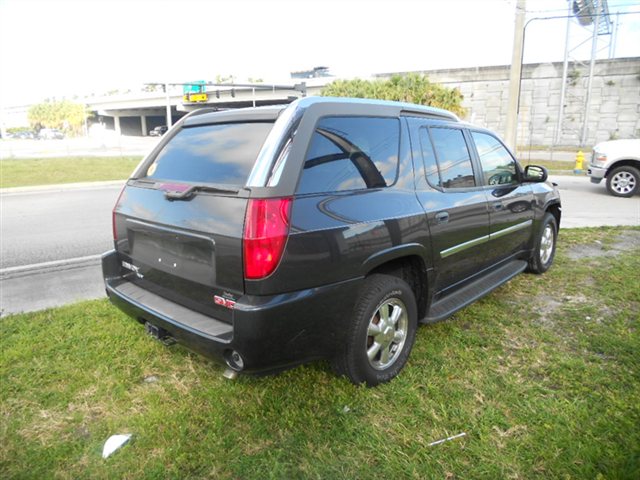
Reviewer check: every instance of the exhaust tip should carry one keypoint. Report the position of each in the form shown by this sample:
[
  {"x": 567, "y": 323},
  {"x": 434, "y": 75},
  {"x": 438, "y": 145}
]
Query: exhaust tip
[
  {"x": 234, "y": 360},
  {"x": 230, "y": 374}
]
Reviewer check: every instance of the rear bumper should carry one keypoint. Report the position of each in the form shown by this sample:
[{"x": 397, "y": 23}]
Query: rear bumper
[{"x": 269, "y": 332}]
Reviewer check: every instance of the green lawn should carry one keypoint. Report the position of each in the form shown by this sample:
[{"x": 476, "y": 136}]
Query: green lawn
[
  {"x": 47, "y": 171},
  {"x": 554, "y": 166},
  {"x": 543, "y": 376}
]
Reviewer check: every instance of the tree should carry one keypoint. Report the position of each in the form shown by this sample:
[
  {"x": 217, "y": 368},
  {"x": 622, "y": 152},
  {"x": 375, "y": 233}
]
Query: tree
[
  {"x": 412, "y": 88},
  {"x": 63, "y": 115}
]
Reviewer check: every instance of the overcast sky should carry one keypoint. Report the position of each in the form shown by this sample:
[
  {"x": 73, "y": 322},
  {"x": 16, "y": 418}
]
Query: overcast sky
[{"x": 56, "y": 48}]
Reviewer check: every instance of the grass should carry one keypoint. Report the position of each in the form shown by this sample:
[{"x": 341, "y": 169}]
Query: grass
[
  {"x": 543, "y": 376},
  {"x": 551, "y": 165},
  {"x": 546, "y": 148},
  {"x": 47, "y": 171}
]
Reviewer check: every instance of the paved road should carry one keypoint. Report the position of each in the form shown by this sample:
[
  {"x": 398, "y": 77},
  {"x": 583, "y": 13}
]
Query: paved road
[
  {"x": 585, "y": 204},
  {"x": 106, "y": 145},
  {"x": 45, "y": 226},
  {"x": 52, "y": 238}
]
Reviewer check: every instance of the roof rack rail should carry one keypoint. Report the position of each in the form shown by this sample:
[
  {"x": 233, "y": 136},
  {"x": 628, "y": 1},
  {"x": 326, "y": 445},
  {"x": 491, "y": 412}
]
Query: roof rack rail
[{"x": 431, "y": 112}]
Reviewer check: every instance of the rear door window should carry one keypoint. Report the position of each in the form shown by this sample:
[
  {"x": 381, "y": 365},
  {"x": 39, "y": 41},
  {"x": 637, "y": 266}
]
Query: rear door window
[
  {"x": 429, "y": 158},
  {"x": 348, "y": 153},
  {"x": 219, "y": 154},
  {"x": 454, "y": 161}
]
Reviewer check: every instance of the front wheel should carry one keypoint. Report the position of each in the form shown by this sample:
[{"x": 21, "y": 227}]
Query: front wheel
[
  {"x": 382, "y": 333},
  {"x": 545, "y": 246},
  {"x": 623, "y": 181}
]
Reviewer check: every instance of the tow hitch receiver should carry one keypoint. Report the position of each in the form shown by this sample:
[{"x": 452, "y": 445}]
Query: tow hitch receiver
[{"x": 159, "y": 333}]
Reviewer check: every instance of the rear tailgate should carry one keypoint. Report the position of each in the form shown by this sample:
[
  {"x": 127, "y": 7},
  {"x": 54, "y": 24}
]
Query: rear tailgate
[
  {"x": 178, "y": 224},
  {"x": 186, "y": 251}
]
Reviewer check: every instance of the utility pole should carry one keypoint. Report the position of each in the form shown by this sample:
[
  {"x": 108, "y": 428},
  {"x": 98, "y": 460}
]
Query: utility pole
[
  {"x": 514, "y": 77},
  {"x": 594, "y": 53}
]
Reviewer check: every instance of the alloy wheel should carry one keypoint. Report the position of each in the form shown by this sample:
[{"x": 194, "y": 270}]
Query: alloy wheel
[
  {"x": 387, "y": 333},
  {"x": 623, "y": 183}
]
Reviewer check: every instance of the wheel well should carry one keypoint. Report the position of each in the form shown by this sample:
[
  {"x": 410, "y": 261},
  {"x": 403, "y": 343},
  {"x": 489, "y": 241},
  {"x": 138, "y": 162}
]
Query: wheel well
[
  {"x": 412, "y": 270},
  {"x": 621, "y": 163},
  {"x": 556, "y": 212}
]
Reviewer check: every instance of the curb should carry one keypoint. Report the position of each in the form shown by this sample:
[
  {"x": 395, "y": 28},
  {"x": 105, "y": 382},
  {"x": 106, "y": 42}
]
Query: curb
[
  {"x": 61, "y": 187},
  {"x": 54, "y": 265}
]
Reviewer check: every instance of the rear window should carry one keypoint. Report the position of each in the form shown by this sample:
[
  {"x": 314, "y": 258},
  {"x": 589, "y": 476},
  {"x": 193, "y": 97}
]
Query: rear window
[
  {"x": 348, "y": 153},
  {"x": 220, "y": 154},
  {"x": 454, "y": 161}
]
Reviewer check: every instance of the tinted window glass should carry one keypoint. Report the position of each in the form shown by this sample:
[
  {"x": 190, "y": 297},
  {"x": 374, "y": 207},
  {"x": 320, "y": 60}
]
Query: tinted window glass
[
  {"x": 349, "y": 153},
  {"x": 454, "y": 161},
  {"x": 498, "y": 167},
  {"x": 429, "y": 159},
  {"x": 221, "y": 154}
]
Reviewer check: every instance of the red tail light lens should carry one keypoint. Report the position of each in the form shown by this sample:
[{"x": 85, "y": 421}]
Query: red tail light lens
[
  {"x": 266, "y": 227},
  {"x": 113, "y": 215}
]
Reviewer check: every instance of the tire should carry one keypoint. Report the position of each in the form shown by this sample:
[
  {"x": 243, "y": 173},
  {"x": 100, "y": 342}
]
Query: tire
[
  {"x": 545, "y": 245},
  {"x": 385, "y": 300},
  {"x": 623, "y": 181}
]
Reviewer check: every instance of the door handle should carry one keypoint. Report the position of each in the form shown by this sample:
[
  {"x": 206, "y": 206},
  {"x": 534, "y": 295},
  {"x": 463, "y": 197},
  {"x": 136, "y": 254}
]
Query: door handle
[{"x": 442, "y": 217}]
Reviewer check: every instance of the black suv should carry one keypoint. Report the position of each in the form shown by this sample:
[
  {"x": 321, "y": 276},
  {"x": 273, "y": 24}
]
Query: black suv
[{"x": 328, "y": 228}]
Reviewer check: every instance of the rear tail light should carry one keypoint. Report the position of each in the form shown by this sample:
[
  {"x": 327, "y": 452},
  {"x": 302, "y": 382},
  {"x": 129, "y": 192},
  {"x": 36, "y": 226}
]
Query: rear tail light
[
  {"x": 266, "y": 227},
  {"x": 113, "y": 215}
]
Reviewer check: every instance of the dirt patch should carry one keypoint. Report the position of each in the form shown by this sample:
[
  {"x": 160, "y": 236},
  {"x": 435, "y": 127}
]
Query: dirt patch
[
  {"x": 627, "y": 241},
  {"x": 549, "y": 309}
]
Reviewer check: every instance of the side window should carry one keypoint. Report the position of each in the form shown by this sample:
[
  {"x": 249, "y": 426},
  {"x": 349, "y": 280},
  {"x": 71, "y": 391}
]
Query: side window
[
  {"x": 348, "y": 153},
  {"x": 454, "y": 161},
  {"x": 498, "y": 166},
  {"x": 429, "y": 158}
]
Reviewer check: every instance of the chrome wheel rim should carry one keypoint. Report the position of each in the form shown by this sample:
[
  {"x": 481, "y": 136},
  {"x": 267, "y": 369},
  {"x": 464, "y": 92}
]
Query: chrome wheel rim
[
  {"x": 623, "y": 183},
  {"x": 546, "y": 244},
  {"x": 387, "y": 333}
]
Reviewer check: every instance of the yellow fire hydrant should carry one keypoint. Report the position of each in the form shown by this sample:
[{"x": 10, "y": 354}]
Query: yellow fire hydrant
[{"x": 579, "y": 162}]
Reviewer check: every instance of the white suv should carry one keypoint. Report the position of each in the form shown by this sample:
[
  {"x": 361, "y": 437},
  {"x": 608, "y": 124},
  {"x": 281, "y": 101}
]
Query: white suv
[{"x": 619, "y": 162}]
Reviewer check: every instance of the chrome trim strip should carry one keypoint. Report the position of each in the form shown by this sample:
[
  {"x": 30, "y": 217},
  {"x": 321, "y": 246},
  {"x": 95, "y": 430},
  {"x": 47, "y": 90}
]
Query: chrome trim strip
[
  {"x": 262, "y": 168},
  {"x": 511, "y": 229},
  {"x": 463, "y": 246},
  {"x": 477, "y": 241}
]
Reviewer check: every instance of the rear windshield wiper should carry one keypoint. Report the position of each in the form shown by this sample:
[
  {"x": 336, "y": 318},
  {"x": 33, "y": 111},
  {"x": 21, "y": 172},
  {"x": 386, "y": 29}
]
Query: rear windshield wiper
[{"x": 174, "y": 191}]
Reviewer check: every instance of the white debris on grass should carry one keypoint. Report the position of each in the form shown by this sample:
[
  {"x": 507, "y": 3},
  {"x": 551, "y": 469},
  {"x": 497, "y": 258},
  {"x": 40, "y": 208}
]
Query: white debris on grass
[
  {"x": 113, "y": 443},
  {"x": 438, "y": 442}
]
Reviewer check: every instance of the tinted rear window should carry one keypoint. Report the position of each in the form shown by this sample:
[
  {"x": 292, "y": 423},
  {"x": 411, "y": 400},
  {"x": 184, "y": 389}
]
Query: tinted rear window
[
  {"x": 220, "y": 154},
  {"x": 348, "y": 153},
  {"x": 454, "y": 161}
]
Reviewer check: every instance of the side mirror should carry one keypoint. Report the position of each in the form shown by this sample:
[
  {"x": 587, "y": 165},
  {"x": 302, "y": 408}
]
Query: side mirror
[{"x": 535, "y": 173}]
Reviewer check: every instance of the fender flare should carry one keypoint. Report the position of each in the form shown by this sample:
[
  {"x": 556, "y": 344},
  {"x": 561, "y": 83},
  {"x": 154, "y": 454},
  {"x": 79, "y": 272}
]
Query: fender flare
[{"x": 399, "y": 251}]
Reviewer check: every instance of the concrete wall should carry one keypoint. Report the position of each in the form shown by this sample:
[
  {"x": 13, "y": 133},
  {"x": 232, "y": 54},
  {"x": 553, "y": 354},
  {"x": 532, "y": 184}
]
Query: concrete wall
[{"x": 614, "y": 110}]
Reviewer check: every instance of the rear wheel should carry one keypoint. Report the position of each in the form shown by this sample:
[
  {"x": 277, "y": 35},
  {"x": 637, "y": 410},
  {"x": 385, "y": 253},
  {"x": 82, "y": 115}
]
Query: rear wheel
[
  {"x": 545, "y": 246},
  {"x": 382, "y": 333},
  {"x": 623, "y": 181}
]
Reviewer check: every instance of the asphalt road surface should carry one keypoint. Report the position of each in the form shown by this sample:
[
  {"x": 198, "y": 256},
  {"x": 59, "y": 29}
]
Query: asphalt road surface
[
  {"x": 585, "y": 204},
  {"x": 45, "y": 226},
  {"x": 108, "y": 144},
  {"x": 52, "y": 238}
]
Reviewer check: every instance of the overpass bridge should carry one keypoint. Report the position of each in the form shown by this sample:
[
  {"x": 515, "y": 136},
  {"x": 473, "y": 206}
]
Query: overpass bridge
[{"x": 138, "y": 113}]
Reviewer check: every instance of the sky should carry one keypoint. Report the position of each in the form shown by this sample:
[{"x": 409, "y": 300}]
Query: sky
[{"x": 67, "y": 48}]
